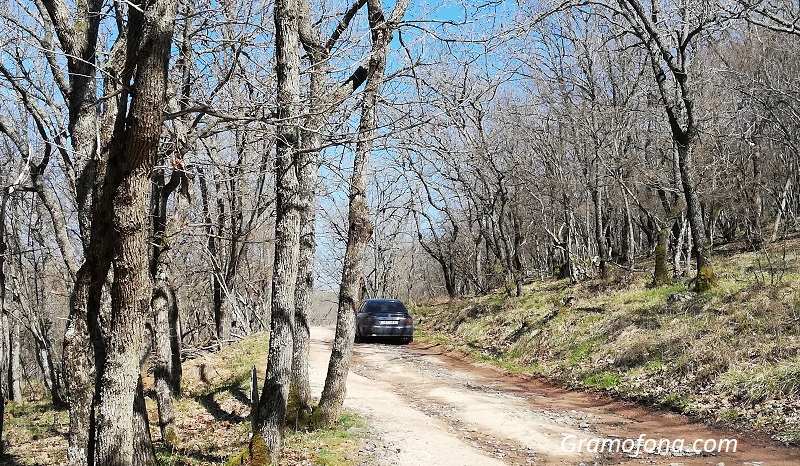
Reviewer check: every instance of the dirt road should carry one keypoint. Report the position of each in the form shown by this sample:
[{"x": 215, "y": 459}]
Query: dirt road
[{"x": 428, "y": 408}]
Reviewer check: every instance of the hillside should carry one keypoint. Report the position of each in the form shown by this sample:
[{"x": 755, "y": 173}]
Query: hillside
[{"x": 730, "y": 356}]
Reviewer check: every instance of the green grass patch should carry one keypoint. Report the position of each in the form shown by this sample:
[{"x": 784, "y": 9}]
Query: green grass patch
[
  {"x": 33, "y": 420},
  {"x": 601, "y": 381},
  {"x": 677, "y": 401},
  {"x": 336, "y": 446}
]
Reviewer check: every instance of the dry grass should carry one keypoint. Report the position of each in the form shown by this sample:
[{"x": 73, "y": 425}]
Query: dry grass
[
  {"x": 729, "y": 355},
  {"x": 212, "y": 420}
]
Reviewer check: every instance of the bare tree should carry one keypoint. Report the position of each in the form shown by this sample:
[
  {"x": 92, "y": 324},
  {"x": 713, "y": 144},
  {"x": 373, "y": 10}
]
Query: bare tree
[
  {"x": 669, "y": 46},
  {"x": 288, "y": 207},
  {"x": 131, "y": 289},
  {"x": 359, "y": 226}
]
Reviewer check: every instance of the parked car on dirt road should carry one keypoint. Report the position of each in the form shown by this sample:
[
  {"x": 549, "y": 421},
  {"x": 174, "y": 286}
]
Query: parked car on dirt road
[{"x": 385, "y": 319}]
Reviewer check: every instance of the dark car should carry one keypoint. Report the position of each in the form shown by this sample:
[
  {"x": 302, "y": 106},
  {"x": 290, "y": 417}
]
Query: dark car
[{"x": 385, "y": 319}]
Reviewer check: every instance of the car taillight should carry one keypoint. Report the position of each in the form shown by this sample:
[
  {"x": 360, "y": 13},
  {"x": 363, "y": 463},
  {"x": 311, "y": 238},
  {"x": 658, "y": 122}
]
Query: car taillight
[
  {"x": 408, "y": 321},
  {"x": 369, "y": 320}
]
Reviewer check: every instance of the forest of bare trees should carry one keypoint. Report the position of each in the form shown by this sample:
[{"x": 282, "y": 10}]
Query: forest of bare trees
[{"x": 177, "y": 174}]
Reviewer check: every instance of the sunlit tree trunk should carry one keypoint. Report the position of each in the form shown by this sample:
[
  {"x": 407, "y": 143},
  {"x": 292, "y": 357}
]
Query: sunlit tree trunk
[
  {"x": 275, "y": 392},
  {"x": 131, "y": 287},
  {"x": 669, "y": 51},
  {"x": 79, "y": 45},
  {"x": 163, "y": 305},
  {"x": 359, "y": 225},
  {"x": 14, "y": 368},
  {"x": 143, "y": 452}
]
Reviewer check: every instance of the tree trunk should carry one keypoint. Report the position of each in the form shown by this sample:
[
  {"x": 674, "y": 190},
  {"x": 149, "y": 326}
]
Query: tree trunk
[
  {"x": 216, "y": 273},
  {"x": 4, "y": 337},
  {"x": 312, "y": 139},
  {"x": 10, "y": 328},
  {"x": 303, "y": 292},
  {"x": 628, "y": 238},
  {"x": 78, "y": 355},
  {"x": 162, "y": 366},
  {"x": 359, "y": 226},
  {"x": 303, "y": 302},
  {"x": 130, "y": 292},
  {"x": 222, "y": 311},
  {"x": 2, "y": 418},
  {"x": 660, "y": 276},
  {"x": 569, "y": 270},
  {"x": 163, "y": 305},
  {"x": 602, "y": 246},
  {"x": 80, "y": 46},
  {"x": 705, "y": 278},
  {"x": 322, "y": 103},
  {"x": 52, "y": 377},
  {"x": 143, "y": 452},
  {"x": 679, "y": 233},
  {"x": 275, "y": 392},
  {"x": 14, "y": 368},
  {"x": 129, "y": 298},
  {"x": 781, "y": 208},
  {"x": 84, "y": 343},
  {"x": 448, "y": 275},
  {"x": 757, "y": 238},
  {"x": 359, "y": 232},
  {"x": 175, "y": 345},
  {"x": 516, "y": 261}
]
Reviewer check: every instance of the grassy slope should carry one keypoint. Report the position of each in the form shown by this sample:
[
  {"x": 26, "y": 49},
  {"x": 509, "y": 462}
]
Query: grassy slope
[
  {"x": 731, "y": 355},
  {"x": 212, "y": 419}
]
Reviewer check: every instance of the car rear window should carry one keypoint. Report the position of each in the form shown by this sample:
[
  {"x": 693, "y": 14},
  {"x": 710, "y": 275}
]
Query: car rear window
[{"x": 389, "y": 306}]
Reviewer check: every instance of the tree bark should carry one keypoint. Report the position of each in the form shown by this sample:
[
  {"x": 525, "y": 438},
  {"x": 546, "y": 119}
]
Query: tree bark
[
  {"x": 321, "y": 105},
  {"x": 162, "y": 366},
  {"x": 175, "y": 345},
  {"x": 163, "y": 305},
  {"x": 669, "y": 52},
  {"x": 275, "y": 392},
  {"x": 307, "y": 174},
  {"x": 359, "y": 225},
  {"x": 96, "y": 186},
  {"x": 2, "y": 418},
  {"x": 599, "y": 228},
  {"x": 130, "y": 299},
  {"x": 130, "y": 291},
  {"x": 83, "y": 351},
  {"x": 303, "y": 298},
  {"x": 143, "y": 452},
  {"x": 78, "y": 39},
  {"x": 5, "y": 344},
  {"x": 311, "y": 141},
  {"x": 44, "y": 357},
  {"x": 628, "y": 241},
  {"x": 705, "y": 273},
  {"x": 14, "y": 368},
  {"x": 781, "y": 208},
  {"x": 679, "y": 232},
  {"x": 660, "y": 276},
  {"x": 569, "y": 266}
]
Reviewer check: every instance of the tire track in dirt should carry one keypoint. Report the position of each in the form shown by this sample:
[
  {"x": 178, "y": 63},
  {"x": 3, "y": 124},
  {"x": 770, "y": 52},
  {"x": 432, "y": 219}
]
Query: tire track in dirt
[{"x": 429, "y": 407}]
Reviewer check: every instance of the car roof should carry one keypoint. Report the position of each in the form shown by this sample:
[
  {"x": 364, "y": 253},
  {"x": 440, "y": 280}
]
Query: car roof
[{"x": 382, "y": 300}]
